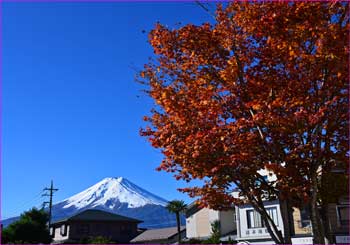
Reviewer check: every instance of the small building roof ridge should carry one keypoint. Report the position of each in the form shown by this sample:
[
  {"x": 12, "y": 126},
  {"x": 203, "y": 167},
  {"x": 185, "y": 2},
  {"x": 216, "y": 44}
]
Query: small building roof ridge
[{"x": 97, "y": 214}]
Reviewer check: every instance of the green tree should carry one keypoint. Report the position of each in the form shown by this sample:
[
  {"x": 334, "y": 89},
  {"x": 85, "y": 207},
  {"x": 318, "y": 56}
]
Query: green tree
[
  {"x": 30, "y": 228},
  {"x": 100, "y": 240},
  {"x": 177, "y": 206},
  {"x": 215, "y": 233},
  {"x": 95, "y": 240}
]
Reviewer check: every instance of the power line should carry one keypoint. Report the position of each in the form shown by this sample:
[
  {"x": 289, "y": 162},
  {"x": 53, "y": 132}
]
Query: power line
[
  {"x": 205, "y": 9},
  {"x": 24, "y": 204},
  {"x": 51, "y": 190}
]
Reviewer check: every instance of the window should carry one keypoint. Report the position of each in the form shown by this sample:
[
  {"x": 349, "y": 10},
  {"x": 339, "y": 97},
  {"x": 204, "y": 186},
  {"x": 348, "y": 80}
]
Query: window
[
  {"x": 63, "y": 230},
  {"x": 254, "y": 219},
  {"x": 52, "y": 232},
  {"x": 305, "y": 217},
  {"x": 343, "y": 215},
  {"x": 83, "y": 229},
  {"x": 273, "y": 214}
]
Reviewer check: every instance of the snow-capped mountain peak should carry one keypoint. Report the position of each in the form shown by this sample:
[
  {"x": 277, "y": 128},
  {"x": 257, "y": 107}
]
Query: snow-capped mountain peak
[
  {"x": 110, "y": 191},
  {"x": 120, "y": 196}
]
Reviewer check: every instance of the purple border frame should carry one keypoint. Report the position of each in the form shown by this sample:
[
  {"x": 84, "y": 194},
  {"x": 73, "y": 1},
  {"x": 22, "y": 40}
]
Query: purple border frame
[{"x": 65, "y": 1}]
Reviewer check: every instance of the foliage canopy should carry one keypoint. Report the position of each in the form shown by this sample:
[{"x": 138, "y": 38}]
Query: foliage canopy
[
  {"x": 265, "y": 87},
  {"x": 30, "y": 228}
]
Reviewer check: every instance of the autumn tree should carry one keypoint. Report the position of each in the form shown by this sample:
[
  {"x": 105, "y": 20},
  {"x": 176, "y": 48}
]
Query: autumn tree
[{"x": 264, "y": 87}]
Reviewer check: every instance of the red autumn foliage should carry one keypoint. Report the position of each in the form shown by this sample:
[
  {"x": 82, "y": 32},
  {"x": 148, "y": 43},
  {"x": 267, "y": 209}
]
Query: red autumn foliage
[{"x": 266, "y": 86}]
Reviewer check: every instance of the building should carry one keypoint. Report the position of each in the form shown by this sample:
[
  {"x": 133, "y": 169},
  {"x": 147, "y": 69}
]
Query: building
[
  {"x": 200, "y": 220},
  {"x": 250, "y": 226},
  {"x": 338, "y": 218},
  {"x": 94, "y": 223},
  {"x": 160, "y": 236},
  {"x": 244, "y": 224}
]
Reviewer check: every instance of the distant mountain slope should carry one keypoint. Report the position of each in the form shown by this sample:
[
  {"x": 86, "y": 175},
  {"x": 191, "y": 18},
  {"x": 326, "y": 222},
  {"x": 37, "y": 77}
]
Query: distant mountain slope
[
  {"x": 117, "y": 195},
  {"x": 111, "y": 191},
  {"x": 8, "y": 221}
]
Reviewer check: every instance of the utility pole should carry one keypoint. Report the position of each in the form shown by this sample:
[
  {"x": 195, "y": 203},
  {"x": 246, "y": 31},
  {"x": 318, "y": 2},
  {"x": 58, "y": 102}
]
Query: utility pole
[
  {"x": 51, "y": 190},
  {"x": 43, "y": 206}
]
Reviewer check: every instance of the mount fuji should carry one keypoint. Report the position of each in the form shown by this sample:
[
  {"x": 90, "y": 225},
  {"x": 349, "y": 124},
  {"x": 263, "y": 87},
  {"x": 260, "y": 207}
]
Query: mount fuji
[{"x": 120, "y": 196}]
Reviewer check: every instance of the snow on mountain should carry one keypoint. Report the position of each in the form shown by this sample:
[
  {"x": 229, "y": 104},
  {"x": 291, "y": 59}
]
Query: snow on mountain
[
  {"x": 111, "y": 191},
  {"x": 120, "y": 196}
]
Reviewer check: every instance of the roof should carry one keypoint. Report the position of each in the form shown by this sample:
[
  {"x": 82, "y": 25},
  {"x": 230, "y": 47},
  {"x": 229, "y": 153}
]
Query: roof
[
  {"x": 157, "y": 234},
  {"x": 97, "y": 215},
  {"x": 192, "y": 209}
]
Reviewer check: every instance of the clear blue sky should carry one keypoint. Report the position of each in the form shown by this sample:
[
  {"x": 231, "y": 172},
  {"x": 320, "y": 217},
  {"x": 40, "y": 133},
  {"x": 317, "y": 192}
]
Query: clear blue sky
[{"x": 71, "y": 110}]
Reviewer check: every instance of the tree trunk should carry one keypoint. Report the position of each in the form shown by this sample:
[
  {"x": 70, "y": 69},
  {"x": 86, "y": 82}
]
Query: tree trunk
[
  {"x": 317, "y": 228},
  {"x": 327, "y": 225},
  {"x": 271, "y": 227},
  {"x": 285, "y": 213},
  {"x": 178, "y": 227},
  {"x": 258, "y": 205},
  {"x": 275, "y": 234}
]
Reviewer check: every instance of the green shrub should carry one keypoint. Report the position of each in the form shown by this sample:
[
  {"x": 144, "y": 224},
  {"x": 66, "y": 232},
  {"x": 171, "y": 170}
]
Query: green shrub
[{"x": 30, "y": 228}]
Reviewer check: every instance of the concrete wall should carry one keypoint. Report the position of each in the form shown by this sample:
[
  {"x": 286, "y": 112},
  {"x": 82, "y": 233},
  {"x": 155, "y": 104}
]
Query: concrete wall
[{"x": 227, "y": 221}]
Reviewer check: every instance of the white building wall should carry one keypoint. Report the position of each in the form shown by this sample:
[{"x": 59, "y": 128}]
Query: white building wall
[
  {"x": 213, "y": 216},
  {"x": 198, "y": 225},
  {"x": 246, "y": 233},
  {"x": 58, "y": 237},
  {"x": 227, "y": 221},
  {"x": 191, "y": 228},
  {"x": 302, "y": 240},
  {"x": 269, "y": 174}
]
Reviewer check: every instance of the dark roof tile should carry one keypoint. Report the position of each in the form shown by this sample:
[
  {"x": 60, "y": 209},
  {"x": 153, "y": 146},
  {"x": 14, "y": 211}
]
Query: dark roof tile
[
  {"x": 157, "y": 234},
  {"x": 98, "y": 215}
]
